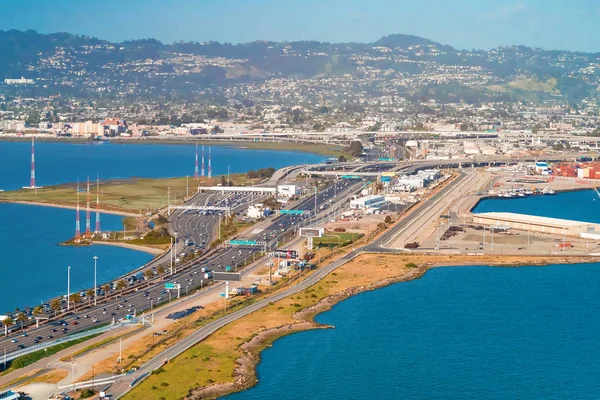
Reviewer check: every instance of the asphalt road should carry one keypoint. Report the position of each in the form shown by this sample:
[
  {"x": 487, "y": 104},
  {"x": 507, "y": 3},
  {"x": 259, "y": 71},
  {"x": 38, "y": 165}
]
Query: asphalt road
[{"x": 145, "y": 295}]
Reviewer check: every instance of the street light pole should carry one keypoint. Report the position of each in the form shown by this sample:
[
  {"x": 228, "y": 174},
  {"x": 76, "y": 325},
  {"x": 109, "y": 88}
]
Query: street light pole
[
  {"x": 95, "y": 282},
  {"x": 187, "y": 187},
  {"x": 228, "y": 180},
  {"x": 171, "y": 256},
  {"x": 68, "y": 287}
]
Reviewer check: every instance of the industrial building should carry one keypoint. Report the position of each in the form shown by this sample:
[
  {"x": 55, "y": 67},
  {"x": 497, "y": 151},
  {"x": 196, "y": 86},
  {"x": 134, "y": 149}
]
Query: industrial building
[
  {"x": 534, "y": 223},
  {"x": 288, "y": 190},
  {"x": 371, "y": 201}
]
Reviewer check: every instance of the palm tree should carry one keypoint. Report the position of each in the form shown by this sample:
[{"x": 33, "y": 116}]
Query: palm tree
[
  {"x": 89, "y": 293},
  {"x": 105, "y": 289},
  {"x": 161, "y": 270},
  {"x": 55, "y": 305},
  {"x": 149, "y": 275},
  {"x": 121, "y": 285},
  {"x": 38, "y": 310},
  {"x": 8, "y": 321},
  {"x": 75, "y": 298},
  {"x": 21, "y": 318}
]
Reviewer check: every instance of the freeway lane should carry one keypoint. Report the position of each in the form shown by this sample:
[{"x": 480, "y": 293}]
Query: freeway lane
[
  {"x": 146, "y": 295},
  {"x": 123, "y": 384}
]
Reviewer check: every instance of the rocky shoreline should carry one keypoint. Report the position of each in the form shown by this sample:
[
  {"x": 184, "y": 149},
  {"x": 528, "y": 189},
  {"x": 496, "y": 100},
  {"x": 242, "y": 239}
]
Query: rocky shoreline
[{"x": 245, "y": 370}]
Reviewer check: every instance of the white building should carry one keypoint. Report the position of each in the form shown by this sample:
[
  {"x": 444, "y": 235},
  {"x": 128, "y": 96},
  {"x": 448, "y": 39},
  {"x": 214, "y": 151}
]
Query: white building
[
  {"x": 288, "y": 190},
  {"x": 256, "y": 211},
  {"x": 21, "y": 81},
  {"x": 371, "y": 201}
]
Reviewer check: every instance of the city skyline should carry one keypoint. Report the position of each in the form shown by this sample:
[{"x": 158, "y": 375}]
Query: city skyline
[{"x": 463, "y": 24}]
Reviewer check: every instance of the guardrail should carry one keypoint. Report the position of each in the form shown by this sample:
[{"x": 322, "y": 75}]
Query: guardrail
[{"x": 64, "y": 339}]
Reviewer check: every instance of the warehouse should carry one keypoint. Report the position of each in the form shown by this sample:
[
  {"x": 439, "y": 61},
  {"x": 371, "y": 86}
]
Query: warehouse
[
  {"x": 534, "y": 223},
  {"x": 371, "y": 201}
]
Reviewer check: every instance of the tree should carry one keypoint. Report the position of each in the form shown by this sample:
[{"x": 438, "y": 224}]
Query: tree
[
  {"x": 75, "y": 298},
  {"x": 21, "y": 318},
  {"x": 38, "y": 310},
  {"x": 121, "y": 285},
  {"x": 55, "y": 305},
  {"x": 105, "y": 289},
  {"x": 89, "y": 293},
  {"x": 149, "y": 275},
  {"x": 161, "y": 270},
  {"x": 342, "y": 159},
  {"x": 387, "y": 219},
  {"x": 8, "y": 321},
  {"x": 464, "y": 127}
]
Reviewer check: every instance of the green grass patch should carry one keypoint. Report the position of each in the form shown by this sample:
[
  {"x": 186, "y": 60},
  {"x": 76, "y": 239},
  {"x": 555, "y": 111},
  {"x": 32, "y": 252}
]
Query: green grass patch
[
  {"x": 337, "y": 239},
  {"x": 28, "y": 359}
]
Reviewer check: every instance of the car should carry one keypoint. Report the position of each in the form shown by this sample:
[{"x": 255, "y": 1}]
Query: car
[
  {"x": 50, "y": 336},
  {"x": 39, "y": 337},
  {"x": 76, "y": 317},
  {"x": 86, "y": 316},
  {"x": 104, "y": 312},
  {"x": 24, "y": 334},
  {"x": 14, "y": 341},
  {"x": 21, "y": 346},
  {"x": 36, "y": 341},
  {"x": 95, "y": 320},
  {"x": 53, "y": 330},
  {"x": 112, "y": 313},
  {"x": 74, "y": 323}
]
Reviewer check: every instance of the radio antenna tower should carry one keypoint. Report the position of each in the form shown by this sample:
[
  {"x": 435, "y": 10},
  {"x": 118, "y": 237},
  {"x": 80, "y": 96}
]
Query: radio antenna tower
[
  {"x": 97, "y": 231},
  {"x": 77, "y": 227},
  {"x": 32, "y": 178},
  {"x": 209, "y": 168},
  {"x": 88, "y": 212},
  {"x": 196, "y": 165},
  {"x": 202, "y": 170}
]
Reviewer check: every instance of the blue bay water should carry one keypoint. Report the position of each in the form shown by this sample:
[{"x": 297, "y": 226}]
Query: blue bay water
[
  {"x": 65, "y": 162},
  {"x": 456, "y": 333},
  {"x": 578, "y": 206},
  {"x": 34, "y": 267}
]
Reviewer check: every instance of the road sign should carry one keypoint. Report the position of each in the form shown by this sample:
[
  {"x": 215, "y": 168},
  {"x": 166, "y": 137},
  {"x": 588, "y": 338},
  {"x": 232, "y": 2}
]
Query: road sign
[
  {"x": 170, "y": 285},
  {"x": 312, "y": 232},
  {"x": 228, "y": 268},
  {"x": 292, "y": 212},
  {"x": 243, "y": 242},
  {"x": 222, "y": 294},
  {"x": 227, "y": 276},
  {"x": 385, "y": 179},
  {"x": 350, "y": 177},
  {"x": 386, "y": 159}
]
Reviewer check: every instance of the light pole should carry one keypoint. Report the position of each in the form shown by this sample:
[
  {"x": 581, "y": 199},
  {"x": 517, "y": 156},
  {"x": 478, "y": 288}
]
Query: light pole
[
  {"x": 228, "y": 180},
  {"x": 95, "y": 283},
  {"x": 187, "y": 187},
  {"x": 68, "y": 287},
  {"x": 171, "y": 256}
]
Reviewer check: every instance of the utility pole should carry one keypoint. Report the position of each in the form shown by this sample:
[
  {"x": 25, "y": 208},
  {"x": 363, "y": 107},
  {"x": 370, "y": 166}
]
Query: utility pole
[
  {"x": 95, "y": 283},
  {"x": 68, "y": 287}
]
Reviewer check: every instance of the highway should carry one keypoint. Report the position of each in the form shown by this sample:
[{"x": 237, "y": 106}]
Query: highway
[
  {"x": 145, "y": 295},
  {"x": 122, "y": 386}
]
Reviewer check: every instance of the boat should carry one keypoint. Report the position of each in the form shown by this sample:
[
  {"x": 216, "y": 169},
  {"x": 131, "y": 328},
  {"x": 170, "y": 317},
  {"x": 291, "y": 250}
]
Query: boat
[{"x": 548, "y": 191}]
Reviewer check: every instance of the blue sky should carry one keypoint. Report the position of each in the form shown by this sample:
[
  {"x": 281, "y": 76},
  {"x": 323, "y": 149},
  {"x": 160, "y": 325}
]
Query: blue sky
[{"x": 480, "y": 24}]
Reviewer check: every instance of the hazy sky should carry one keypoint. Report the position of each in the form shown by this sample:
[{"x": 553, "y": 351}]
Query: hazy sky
[{"x": 481, "y": 24}]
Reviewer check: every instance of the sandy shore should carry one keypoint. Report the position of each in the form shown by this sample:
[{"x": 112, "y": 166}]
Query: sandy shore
[
  {"x": 102, "y": 211},
  {"x": 153, "y": 251}
]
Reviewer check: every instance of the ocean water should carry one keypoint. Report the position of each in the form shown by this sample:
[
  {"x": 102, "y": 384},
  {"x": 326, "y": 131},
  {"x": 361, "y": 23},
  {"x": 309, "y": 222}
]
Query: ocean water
[
  {"x": 65, "y": 162},
  {"x": 456, "y": 333},
  {"x": 33, "y": 267},
  {"x": 578, "y": 206}
]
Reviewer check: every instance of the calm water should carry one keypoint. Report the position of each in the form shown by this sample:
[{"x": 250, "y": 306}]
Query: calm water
[
  {"x": 456, "y": 333},
  {"x": 578, "y": 206},
  {"x": 65, "y": 162},
  {"x": 34, "y": 268}
]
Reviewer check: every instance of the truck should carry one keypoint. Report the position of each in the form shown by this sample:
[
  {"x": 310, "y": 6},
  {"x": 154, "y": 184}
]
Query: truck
[{"x": 189, "y": 242}]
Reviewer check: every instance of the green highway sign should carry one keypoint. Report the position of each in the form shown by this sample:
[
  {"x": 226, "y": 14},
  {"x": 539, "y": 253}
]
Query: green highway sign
[
  {"x": 386, "y": 159},
  {"x": 350, "y": 177},
  {"x": 228, "y": 268},
  {"x": 292, "y": 212},
  {"x": 243, "y": 242},
  {"x": 170, "y": 285}
]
